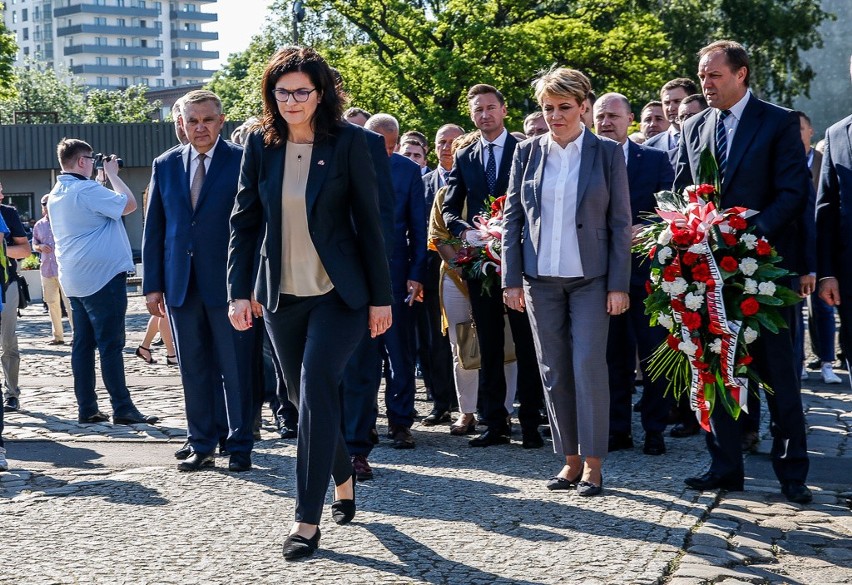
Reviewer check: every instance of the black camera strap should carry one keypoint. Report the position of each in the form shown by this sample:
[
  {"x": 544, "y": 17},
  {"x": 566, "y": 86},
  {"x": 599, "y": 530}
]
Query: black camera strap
[{"x": 75, "y": 175}]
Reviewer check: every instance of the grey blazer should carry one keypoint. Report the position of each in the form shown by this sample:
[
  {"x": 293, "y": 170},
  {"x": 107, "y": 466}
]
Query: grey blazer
[{"x": 603, "y": 220}]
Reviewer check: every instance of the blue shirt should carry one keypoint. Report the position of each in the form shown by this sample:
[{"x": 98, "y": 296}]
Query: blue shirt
[
  {"x": 4, "y": 229},
  {"x": 91, "y": 242}
]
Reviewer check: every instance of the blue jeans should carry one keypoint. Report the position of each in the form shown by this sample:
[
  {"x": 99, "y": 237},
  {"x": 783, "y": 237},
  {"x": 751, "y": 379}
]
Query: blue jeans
[{"x": 99, "y": 324}]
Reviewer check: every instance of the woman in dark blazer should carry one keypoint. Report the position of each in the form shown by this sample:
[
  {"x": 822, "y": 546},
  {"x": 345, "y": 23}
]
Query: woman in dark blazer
[
  {"x": 566, "y": 259},
  {"x": 308, "y": 199}
]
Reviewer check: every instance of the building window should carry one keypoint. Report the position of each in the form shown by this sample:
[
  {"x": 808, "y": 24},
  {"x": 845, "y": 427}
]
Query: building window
[
  {"x": 100, "y": 2},
  {"x": 160, "y": 64},
  {"x": 190, "y": 7},
  {"x": 121, "y": 22},
  {"x": 143, "y": 23},
  {"x": 100, "y": 41},
  {"x": 122, "y": 61},
  {"x": 143, "y": 42},
  {"x": 100, "y": 21},
  {"x": 14, "y": 17},
  {"x": 24, "y": 14},
  {"x": 146, "y": 82},
  {"x": 143, "y": 62},
  {"x": 122, "y": 42},
  {"x": 122, "y": 81},
  {"x": 160, "y": 45},
  {"x": 101, "y": 61},
  {"x": 103, "y": 81},
  {"x": 161, "y": 82},
  {"x": 119, "y": 3},
  {"x": 26, "y": 51},
  {"x": 26, "y": 33}
]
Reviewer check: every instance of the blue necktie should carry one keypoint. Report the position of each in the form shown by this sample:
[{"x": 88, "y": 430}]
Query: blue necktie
[
  {"x": 491, "y": 170},
  {"x": 722, "y": 143}
]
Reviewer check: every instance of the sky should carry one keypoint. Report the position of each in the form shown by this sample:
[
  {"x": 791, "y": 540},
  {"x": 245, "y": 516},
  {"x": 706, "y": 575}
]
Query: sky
[{"x": 239, "y": 20}]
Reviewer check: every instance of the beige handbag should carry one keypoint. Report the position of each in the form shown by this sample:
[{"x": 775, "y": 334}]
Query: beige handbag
[{"x": 468, "y": 344}]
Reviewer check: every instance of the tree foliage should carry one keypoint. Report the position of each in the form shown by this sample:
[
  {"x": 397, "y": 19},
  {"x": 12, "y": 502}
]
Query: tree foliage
[
  {"x": 39, "y": 88},
  {"x": 127, "y": 106},
  {"x": 8, "y": 48}
]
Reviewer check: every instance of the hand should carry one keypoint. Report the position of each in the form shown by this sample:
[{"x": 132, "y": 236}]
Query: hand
[
  {"x": 155, "y": 304},
  {"x": 111, "y": 165},
  {"x": 829, "y": 291},
  {"x": 474, "y": 238},
  {"x": 239, "y": 312},
  {"x": 379, "y": 320},
  {"x": 514, "y": 298},
  {"x": 45, "y": 248},
  {"x": 617, "y": 302},
  {"x": 807, "y": 284},
  {"x": 256, "y": 308},
  {"x": 415, "y": 290}
]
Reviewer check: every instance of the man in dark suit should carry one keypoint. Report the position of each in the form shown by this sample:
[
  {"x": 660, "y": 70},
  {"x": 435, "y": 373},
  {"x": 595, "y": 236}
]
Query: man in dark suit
[
  {"x": 761, "y": 167},
  {"x": 648, "y": 171},
  {"x": 185, "y": 257},
  {"x": 834, "y": 233},
  {"x": 671, "y": 96},
  {"x": 481, "y": 170}
]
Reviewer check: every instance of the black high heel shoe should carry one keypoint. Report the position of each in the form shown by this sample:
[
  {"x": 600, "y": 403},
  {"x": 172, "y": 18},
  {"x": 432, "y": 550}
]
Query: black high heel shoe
[
  {"x": 142, "y": 356},
  {"x": 298, "y": 547},
  {"x": 171, "y": 360},
  {"x": 343, "y": 511}
]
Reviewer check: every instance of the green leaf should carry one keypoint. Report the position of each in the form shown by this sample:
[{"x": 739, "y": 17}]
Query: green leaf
[
  {"x": 769, "y": 272},
  {"x": 768, "y": 300},
  {"x": 765, "y": 319}
]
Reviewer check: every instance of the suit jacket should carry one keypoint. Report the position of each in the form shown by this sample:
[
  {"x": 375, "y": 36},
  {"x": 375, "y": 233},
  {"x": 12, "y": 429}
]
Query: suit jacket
[
  {"x": 603, "y": 219},
  {"x": 432, "y": 183},
  {"x": 381, "y": 165},
  {"x": 179, "y": 240},
  {"x": 466, "y": 182},
  {"x": 408, "y": 261},
  {"x": 834, "y": 207},
  {"x": 648, "y": 172},
  {"x": 661, "y": 142},
  {"x": 766, "y": 171},
  {"x": 816, "y": 167},
  {"x": 343, "y": 219}
]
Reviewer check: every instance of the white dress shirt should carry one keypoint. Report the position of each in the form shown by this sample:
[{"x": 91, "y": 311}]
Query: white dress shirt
[
  {"x": 732, "y": 121},
  {"x": 193, "y": 160},
  {"x": 499, "y": 147},
  {"x": 559, "y": 248}
]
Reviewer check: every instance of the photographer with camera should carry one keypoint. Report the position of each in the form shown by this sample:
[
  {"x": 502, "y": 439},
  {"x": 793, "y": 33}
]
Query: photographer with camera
[{"x": 93, "y": 253}]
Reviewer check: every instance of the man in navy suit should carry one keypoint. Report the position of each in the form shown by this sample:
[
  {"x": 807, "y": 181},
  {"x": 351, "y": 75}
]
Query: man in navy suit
[
  {"x": 762, "y": 167},
  {"x": 185, "y": 259},
  {"x": 648, "y": 171},
  {"x": 834, "y": 232},
  {"x": 482, "y": 170},
  {"x": 671, "y": 96}
]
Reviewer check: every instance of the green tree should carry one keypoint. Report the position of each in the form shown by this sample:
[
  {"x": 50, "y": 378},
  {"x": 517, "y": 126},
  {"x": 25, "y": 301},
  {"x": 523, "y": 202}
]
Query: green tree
[
  {"x": 129, "y": 105},
  {"x": 39, "y": 88},
  {"x": 8, "y": 48}
]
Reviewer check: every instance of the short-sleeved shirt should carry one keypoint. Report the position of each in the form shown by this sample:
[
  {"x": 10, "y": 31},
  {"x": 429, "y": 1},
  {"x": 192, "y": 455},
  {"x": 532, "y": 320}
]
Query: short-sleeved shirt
[
  {"x": 5, "y": 230},
  {"x": 43, "y": 234},
  {"x": 91, "y": 243},
  {"x": 15, "y": 229}
]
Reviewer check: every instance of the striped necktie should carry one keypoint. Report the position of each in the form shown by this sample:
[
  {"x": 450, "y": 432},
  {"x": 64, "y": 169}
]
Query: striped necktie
[{"x": 722, "y": 143}]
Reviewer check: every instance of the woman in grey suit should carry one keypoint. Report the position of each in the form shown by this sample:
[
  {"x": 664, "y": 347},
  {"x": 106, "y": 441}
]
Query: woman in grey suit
[
  {"x": 308, "y": 189},
  {"x": 566, "y": 259}
]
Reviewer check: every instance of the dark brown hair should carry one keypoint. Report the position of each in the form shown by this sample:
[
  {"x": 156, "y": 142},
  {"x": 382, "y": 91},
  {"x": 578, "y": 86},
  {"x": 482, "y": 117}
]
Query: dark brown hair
[
  {"x": 684, "y": 83},
  {"x": 484, "y": 88},
  {"x": 69, "y": 150},
  {"x": 735, "y": 54}
]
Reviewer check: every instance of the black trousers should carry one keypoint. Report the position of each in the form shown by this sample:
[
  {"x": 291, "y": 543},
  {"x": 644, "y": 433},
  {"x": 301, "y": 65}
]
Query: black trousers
[{"x": 436, "y": 355}]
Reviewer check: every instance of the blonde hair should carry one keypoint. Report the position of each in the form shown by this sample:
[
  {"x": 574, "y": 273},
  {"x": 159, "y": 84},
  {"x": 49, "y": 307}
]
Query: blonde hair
[{"x": 562, "y": 82}]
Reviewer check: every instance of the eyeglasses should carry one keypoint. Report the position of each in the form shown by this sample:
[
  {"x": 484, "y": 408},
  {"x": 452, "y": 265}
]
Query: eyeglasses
[
  {"x": 300, "y": 95},
  {"x": 88, "y": 156}
]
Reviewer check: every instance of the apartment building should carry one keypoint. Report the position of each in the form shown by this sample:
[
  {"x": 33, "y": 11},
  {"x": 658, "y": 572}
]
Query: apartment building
[{"x": 113, "y": 44}]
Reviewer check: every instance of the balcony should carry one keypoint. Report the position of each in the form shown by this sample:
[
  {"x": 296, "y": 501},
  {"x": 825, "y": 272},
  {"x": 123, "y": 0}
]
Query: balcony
[
  {"x": 124, "y": 70},
  {"x": 112, "y": 50},
  {"x": 195, "y": 54},
  {"x": 195, "y": 35},
  {"x": 106, "y": 10},
  {"x": 104, "y": 29},
  {"x": 194, "y": 15},
  {"x": 197, "y": 72}
]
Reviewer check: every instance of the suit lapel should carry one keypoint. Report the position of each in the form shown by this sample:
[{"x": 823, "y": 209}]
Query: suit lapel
[
  {"x": 587, "y": 163},
  {"x": 634, "y": 160},
  {"x": 502, "y": 184},
  {"x": 220, "y": 156},
  {"x": 539, "y": 159},
  {"x": 849, "y": 139},
  {"x": 746, "y": 130},
  {"x": 321, "y": 160},
  {"x": 475, "y": 155},
  {"x": 186, "y": 153}
]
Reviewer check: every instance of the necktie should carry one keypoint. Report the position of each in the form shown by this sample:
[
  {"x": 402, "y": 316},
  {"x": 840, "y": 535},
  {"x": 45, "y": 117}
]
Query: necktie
[
  {"x": 722, "y": 143},
  {"x": 197, "y": 181},
  {"x": 491, "y": 170}
]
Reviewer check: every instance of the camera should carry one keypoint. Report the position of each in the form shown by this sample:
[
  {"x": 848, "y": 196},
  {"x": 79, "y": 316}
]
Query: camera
[{"x": 100, "y": 158}]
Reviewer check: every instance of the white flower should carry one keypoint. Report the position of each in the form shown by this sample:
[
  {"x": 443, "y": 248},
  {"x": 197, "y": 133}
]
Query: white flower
[
  {"x": 655, "y": 277},
  {"x": 750, "y": 286},
  {"x": 698, "y": 248},
  {"x": 750, "y": 241},
  {"x": 749, "y": 335},
  {"x": 693, "y": 301},
  {"x": 748, "y": 266},
  {"x": 663, "y": 254},
  {"x": 700, "y": 288},
  {"x": 687, "y": 347},
  {"x": 716, "y": 346},
  {"x": 678, "y": 286},
  {"x": 665, "y": 237},
  {"x": 766, "y": 288},
  {"x": 665, "y": 320}
]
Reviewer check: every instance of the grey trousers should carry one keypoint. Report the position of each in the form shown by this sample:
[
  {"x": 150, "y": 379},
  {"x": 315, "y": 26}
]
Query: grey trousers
[
  {"x": 10, "y": 357},
  {"x": 570, "y": 326}
]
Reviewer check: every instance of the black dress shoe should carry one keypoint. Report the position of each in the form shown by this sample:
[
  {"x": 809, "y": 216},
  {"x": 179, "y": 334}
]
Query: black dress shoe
[
  {"x": 711, "y": 481},
  {"x": 797, "y": 492},
  {"x": 751, "y": 439},
  {"x": 681, "y": 430},
  {"x": 184, "y": 451},
  {"x": 531, "y": 439},
  {"x": 288, "y": 430},
  {"x": 134, "y": 418},
  {"x": 560, "y": 483},
  {"x": 654, "y": 443},
  {"x": 197, "y": 461},
  {"x": 489, "y": 438},
  {"x": 98, "y": 417},
  {"x": 299, "y": 547},
  {"x": 11, "y": 404},
  {"x": 436, "y": 417},
  {"x": 587, "y": 488},
  {"x": 343, "y": 511},
  {"x": 619, "y": 441},
  {"x": 239, "y": 461}
]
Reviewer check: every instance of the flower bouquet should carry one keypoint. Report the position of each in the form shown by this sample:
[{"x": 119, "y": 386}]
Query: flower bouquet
[
  {"x": 714, "y": 287},
  {"x": 481, "y": 256}
]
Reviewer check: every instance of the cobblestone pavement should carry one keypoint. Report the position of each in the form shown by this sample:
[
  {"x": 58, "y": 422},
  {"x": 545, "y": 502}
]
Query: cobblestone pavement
[{"x": 441, "y": 513}]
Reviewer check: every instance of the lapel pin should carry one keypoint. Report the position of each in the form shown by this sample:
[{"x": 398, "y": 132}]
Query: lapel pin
[{"x": 320, "y": 162}]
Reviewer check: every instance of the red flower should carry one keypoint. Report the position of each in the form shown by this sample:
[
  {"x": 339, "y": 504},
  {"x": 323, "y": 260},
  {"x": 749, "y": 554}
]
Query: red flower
[
  {"x": 763, "y": 248},
  {"x": 670, "y": 272},
  {"x": 701, "y": 272},
  {"x": 689, "y": 258},
  {"x": 692, "y": 320},
  {"x": 707, "y": 377},
  {"x": 728, "y": 264},
  {"x": 749, "y": 307},
  {"x": 683, "y": 237},
  {"x": 744, "y": 361},
  {"x": 737, "y": 223},
  {"x": 648, "y": 288},
  {"x": 729, "y": 239},
  {"x": 465, "y": 255},
  {"x": 705, "y": 189},
  {"x": 678, "y": 305},
  {"x": 700, "y": 365},
  {"x": 652, "y": 251},
  {"x": 673, "y": 342},
  {"x": 497, "y": 205}
]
